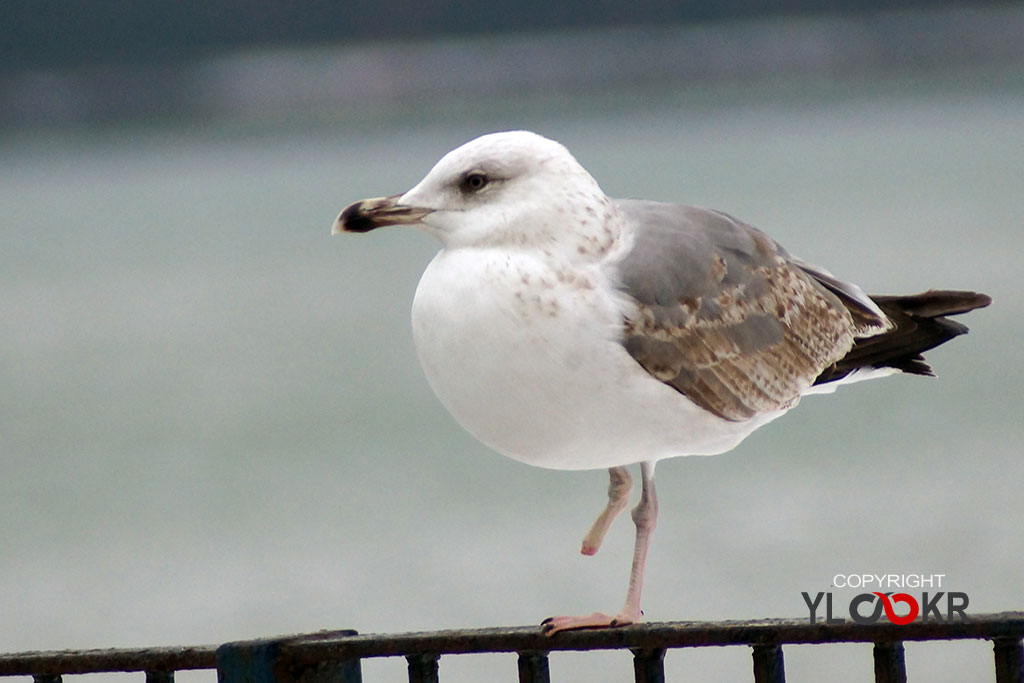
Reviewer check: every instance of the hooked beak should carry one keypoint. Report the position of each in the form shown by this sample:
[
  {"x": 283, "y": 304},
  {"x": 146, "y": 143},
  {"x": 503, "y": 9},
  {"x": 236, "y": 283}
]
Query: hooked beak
[{"x": 367, "y": 214}]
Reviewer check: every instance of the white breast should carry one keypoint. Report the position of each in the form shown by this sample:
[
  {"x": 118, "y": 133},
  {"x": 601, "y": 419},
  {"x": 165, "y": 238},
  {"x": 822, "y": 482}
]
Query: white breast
[{"x": 527, "y": 358}]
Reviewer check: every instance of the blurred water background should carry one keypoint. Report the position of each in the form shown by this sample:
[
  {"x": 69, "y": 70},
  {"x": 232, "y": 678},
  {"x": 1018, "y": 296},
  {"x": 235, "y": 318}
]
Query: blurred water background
[{"x": 213, "y": 426}]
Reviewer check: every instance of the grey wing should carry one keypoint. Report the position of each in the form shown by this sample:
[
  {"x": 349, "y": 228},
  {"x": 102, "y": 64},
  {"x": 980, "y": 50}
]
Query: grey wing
[{"x": 725, "y": 315}]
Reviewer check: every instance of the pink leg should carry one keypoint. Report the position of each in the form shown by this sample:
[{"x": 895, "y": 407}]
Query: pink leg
[
  {"x": 619, "y": 486},
  {"x": 645, "y": 516}
]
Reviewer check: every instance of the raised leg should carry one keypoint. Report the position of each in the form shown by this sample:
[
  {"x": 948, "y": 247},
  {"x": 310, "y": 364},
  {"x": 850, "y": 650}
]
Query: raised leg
[
  {"x": 645, "y": 516},
  {"x": 619, "y": 486}
]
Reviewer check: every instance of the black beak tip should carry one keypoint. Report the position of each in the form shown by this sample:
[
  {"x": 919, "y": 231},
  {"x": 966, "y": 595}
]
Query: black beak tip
[{"x": 354, "y": 219}]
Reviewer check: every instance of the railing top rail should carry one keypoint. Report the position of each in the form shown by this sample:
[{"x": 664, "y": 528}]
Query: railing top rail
[
  {"x": 116, "y": 659},
  {"x": 649, "y": 635},
  {"x": 340, "y": 645}
]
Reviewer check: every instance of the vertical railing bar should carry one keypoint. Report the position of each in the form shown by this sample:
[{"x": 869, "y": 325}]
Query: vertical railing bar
[
  {"x": 533, "y": 667},
  {"x": 1009, "y": 655},
  {"x": 769, "y": 666},
  {"x": 344, "y": 671},
  {"x": 649, "y": 664},
  {"x": 422, "y": 667},
  {"x": 158, "y": 676},
  {"x": 890, "y": 663}
]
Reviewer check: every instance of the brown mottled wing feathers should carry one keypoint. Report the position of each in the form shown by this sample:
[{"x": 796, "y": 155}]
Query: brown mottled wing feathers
[{"x": 722, "y": 313}]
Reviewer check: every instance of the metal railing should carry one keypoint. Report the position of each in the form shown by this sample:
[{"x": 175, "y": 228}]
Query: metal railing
[{"x": 335, "y": 656}]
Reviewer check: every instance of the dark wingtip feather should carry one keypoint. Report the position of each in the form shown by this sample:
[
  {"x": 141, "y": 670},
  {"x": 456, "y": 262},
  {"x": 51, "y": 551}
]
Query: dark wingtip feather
[
  {"x": 915, "y": 366},
  {"x": 920, "y": 324},
  {"x": 936, "y": 302}
]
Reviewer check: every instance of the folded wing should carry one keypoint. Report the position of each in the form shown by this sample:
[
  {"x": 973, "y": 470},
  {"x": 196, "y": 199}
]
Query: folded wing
[{"x": 726, "y": 316}]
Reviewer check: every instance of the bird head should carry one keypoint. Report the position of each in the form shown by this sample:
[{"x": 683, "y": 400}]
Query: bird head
[{"x": 503, "y": 189}]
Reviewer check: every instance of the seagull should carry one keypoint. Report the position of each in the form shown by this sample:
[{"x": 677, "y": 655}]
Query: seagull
[{"x": 572, "y": 331}]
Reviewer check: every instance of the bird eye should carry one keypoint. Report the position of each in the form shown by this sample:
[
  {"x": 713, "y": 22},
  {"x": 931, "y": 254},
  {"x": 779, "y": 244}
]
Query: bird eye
[{"x": 474, "y": 181}]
